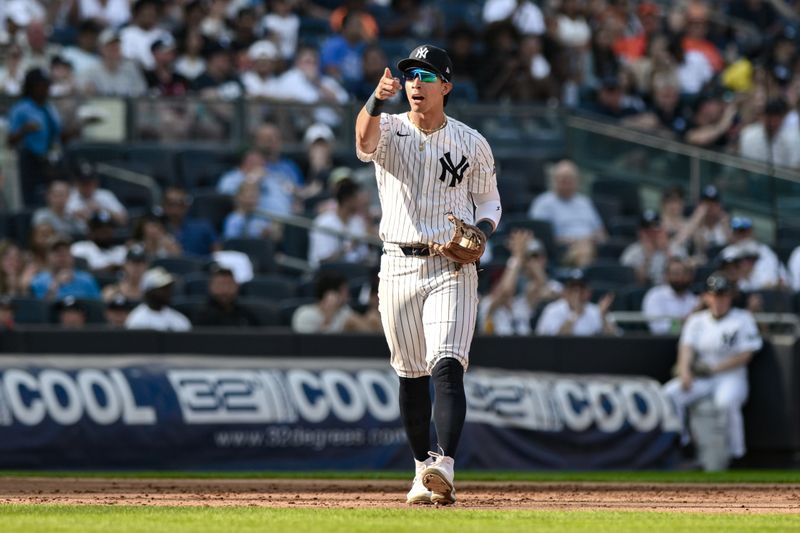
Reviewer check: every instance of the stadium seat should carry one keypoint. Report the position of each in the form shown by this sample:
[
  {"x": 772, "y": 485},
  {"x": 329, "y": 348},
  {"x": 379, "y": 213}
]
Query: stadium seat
[
  {"x": 189, "y": 306},
  {"x": 180, "y": 265},
  {"x": 94, "y": 153},
  {"x": 613, "y": 248},
  {"x": 542, "y": 229},
  {"x": 701, "y": 273},
  {"x": 286, "y": 308},
  {"x": 624, "y": 226},
  {"x": 19, "y": 227},
  {"x": 195, "y": 284},
  {"x": 260, "y": 251},
  {"x": 528, "y": 169},
  {"x": 776, "y": 301},
  {"x": 203, "y": 167},
  {"x": 267, "y": 313},
  {"x": 607, "y": 208},
  {"x": 31, "y": 311},
  {"x": 105, "y": 278},
  {"x": 627, "y": 192},
  {"x": 618, "y": 275},
  {"x": 352, "y": 271},
  {"x": 514, "y": 195},
  {"x": 295, "y": 241},
  {"x": 789, "y": 233},
  {"x": 162, "y": 160},
  {"x": 270, "y": 288},
  {"x": 212, "y": 206}
]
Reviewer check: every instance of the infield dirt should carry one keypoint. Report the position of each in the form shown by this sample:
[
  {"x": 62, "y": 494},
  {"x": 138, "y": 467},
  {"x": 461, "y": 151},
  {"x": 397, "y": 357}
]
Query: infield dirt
[{"x": 694, "y": 497}]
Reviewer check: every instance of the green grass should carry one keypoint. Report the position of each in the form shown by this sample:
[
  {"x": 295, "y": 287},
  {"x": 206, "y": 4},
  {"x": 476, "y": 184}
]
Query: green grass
[
  {"x": 733, "y": 476},
  {"x": 88, "y": 519}
]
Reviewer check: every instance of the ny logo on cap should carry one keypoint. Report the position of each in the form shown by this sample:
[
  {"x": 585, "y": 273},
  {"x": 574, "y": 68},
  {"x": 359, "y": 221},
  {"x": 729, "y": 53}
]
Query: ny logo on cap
[{"x": 422, "y": 53}]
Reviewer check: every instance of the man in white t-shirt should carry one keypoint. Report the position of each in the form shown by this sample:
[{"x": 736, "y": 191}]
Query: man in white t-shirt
[
  {"x": 86, "y": 199},
  {"x": 760, "y": 268},
  {"x": 767, "y": 141},
  {"x": 139, "y": 36},
  {"x": 574, "y": 314},
  {"x": 574, "y": 218},
  {"x": 155, "y": 312},
  {"x": 794, "y": 269},
  {"x": 669, "y": 304},
  {"x": 648, "y": 256},
  {"x": 349, "y": 216},
  {"x": 261, "y": 81},
  {"x": 714, "y": 350},
  {"x": 331, "y": 312},
  {"x": 525, "y": 15}
]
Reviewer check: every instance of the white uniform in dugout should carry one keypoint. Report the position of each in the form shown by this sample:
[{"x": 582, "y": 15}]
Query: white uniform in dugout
[
  {"x": 713, "y": 341},
  {"x": 428, "y": 307}
]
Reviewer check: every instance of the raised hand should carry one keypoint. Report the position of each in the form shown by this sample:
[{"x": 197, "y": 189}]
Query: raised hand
[{"x": 388, "y": 86}]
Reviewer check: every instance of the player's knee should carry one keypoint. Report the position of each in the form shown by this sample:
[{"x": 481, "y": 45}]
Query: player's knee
[
  {"x": 448, "y": 372},
  {"x": 727, "y": 398}
]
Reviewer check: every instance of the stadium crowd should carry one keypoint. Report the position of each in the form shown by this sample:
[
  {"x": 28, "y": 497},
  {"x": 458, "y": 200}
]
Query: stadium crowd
[{"x": 211, "y": 255}]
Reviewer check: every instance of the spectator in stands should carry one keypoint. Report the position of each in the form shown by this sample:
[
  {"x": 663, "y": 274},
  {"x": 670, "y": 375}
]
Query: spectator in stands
[
  {"x": 509, "y": 308},
  {"x": 760, "y": 267},
  {"x": 319, "y": 141},
  {"x": 331, "y": 313},
  {"x": 244, "y": 32},
  {"x": 713, "y": 122},
  {"x": 55, "y": 213},
  {"x": 99, "y": 250},
  {"x": 196, "y": 236},
  {"x": 262, "y": 80},
  {"x": 576, "y": 223},
  {"x": 668, "y": 304},
  {"x": 714, "y": 350},
  {"x": 305, "y": 83},
  {"x": 610, "y": 101},
  {"x": 114, "y": 13},
  {"x": 350, "y": 217},
  {"x": 139, "y": 36},
  {"x": 34, "y": 129},
  {"x": 129, "y": 285},
  {"x": 713, "y": 222},
  {"x": 12, "y": 73},
  {"x": 163, "y": 79},
  {"x": 35, "y": 258},
  {"x": 63, "y": 79},
  {"x": 574, "y": 314},
  {"x": 12, "y": 270},
  {"x": 7, "y": 319},
  {"x": 767, "y": 141},
  {"x": 219, "y": 79},
  {"x": 87, "y": 199},
  {"x": 281, "y": 177},
  {"x": 222, "y": 307},
  {"x": 341, "y": 55},
  {"x": 83, "y": 55},
  {"x": 190, "y": 63},
  {"x": 155, "y": 312},
  {"x": 524, "y": 14},
  {"x": 668, "y": 117},
  {"x": 282, "y": 25},
  {"x": 794, "y": 270},
  {"x": 649, "y": 254},
  {"x": 115, "y": 75},
  {"x": 244, "y": 222},
  {"x": 415, "y": 19},
  {"x": 70, "y": 313},
  {"x": 38, "y": 51},
  {"x": 117, "y": 311},
  {"x": 462, "y": 44},
  {"x": 672, "y": 206},
  {"x": 150, "y": 232},
  {"x": 62, "y": 279}
]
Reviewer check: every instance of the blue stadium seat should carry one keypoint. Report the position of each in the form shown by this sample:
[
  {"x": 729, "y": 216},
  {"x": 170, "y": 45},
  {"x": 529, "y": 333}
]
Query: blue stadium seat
[
  {"x": 195, "y": 284},
  {"x": 295, "y": 241},
  {"x": 351, "y": 271},
  {"x": 274, "y": 288},
  {"x": 180, "y": 265},
  {"x": 627, "y": 192},
  {"x": 203, "y": 167},
  {"x": 161, "y": 158},
  {"x": 267, "y": 313},
  {"x": 610, "y": 273},
  {"x": 31, "y": 311},
  {"x": 212, "y": 206}
]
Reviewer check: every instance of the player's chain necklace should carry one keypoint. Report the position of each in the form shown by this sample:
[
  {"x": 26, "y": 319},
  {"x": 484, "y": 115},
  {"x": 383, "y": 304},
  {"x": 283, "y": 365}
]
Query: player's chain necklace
[{"x": 427, "y": 131}]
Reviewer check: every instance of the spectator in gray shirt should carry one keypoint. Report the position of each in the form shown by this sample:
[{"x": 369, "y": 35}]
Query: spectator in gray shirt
[{"x": 115, "y": 76}]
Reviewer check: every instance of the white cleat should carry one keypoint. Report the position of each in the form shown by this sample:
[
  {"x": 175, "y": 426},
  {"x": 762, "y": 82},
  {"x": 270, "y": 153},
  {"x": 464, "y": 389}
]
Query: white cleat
[
  {"x": 438, "y": 478},
  {"x": 419, "y": 494}
]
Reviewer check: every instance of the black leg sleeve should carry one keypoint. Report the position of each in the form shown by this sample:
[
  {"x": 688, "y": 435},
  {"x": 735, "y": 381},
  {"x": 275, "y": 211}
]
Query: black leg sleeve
[
  {"x": 415, "y": 410},
  {"x": 450, "y": 407}
]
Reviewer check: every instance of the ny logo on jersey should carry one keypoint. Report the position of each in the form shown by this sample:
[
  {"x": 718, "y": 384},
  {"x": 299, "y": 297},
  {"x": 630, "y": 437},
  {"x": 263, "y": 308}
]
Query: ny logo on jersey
[
  {"x": 729, "y": 339},
  {"x": 422, "y": 53},
  {"x": 456, "y": 171}
]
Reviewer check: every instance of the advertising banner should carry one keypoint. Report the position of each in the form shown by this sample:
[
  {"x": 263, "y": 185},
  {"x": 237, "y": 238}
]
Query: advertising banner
[{"x": 308, "y": 414}]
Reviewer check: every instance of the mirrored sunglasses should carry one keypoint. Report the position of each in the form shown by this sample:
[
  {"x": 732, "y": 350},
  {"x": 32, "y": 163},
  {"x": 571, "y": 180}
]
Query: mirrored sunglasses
[{"x": 424, "y": 75}]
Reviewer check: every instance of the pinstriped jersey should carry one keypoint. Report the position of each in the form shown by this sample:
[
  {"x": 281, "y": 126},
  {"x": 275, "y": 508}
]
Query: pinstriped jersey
[{"x": 423, "y": 177}]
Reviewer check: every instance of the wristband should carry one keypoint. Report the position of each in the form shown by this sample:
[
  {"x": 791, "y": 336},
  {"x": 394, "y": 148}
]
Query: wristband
[
  {"x": 486, "y": 227},
  {"x": 373, "y": 106}
]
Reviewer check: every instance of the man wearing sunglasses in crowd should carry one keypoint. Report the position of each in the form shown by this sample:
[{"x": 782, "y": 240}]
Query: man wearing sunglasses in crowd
[{"x": 428, "y": 166}]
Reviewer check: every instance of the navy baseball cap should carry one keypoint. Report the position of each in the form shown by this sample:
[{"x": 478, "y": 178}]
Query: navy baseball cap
[
  {"x": 575, "y": 276},
  {"x": 741, "y": 224},
  {"x": 717, "y": 283},
  {"x": 649, "y": 219},
  {"x": 710, "y": 192},
  {"x": 429, "y": 57}
]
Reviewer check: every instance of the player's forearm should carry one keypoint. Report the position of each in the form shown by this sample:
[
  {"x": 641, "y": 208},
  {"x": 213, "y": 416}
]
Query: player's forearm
[
  {"x": 736, "y": 361},
  {"x": 685, "y": 356},
  {"x": 368, "y": 131}
]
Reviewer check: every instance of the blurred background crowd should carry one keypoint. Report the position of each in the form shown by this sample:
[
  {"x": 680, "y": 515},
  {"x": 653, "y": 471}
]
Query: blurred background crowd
[{"x": 219, "y": 245}]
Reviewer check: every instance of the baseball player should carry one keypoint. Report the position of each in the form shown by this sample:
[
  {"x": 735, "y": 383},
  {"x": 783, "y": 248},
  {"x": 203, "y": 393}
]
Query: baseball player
[
  {"x": 715, "y": 347},
  {"x": 436, "y": 178}
]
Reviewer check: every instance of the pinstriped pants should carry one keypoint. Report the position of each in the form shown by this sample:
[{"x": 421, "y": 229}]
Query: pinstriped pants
[{"x": 428, "y": 311}]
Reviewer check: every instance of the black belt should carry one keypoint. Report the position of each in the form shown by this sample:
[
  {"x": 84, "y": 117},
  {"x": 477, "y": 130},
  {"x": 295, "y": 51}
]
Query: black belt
[{"x": 416, "y": 250}]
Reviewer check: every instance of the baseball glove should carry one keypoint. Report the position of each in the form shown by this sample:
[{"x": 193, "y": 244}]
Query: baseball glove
[{"x": 465, "y": 246}]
